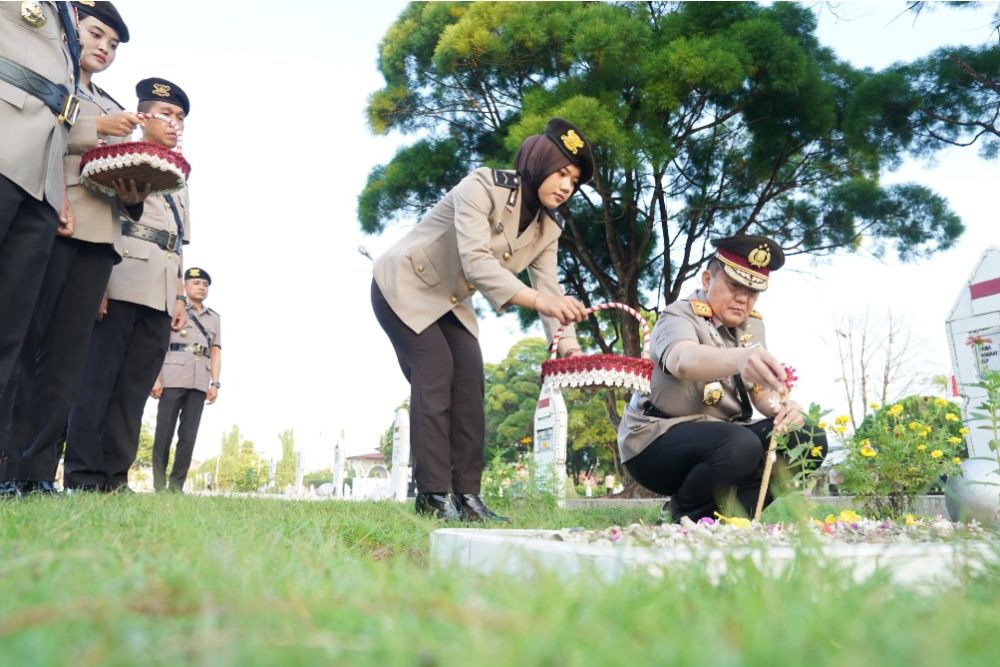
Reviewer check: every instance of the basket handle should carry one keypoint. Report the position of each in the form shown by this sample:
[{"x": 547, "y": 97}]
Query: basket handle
[
  {"x": 643, "y": 326},
  {"x": 171, "y": 123}
]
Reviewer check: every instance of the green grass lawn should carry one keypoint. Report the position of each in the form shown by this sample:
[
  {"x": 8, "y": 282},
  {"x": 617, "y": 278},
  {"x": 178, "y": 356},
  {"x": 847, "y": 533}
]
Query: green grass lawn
[{"x": 151, "y": 580}]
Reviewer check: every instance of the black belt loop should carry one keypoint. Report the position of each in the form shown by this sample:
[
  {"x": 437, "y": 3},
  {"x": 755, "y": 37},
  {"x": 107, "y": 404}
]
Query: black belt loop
[
  {"x": 160, "y": 237},
  {"x": 64, "y": 104}
]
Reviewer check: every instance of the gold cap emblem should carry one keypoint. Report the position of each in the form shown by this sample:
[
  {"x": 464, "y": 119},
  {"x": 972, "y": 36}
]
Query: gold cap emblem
[
  {"x": 89, "y": 3},
  {"x": 760, "y": 256},
  {"x": 712, "y": 393},
  {"x": 161, "y": 90},
  {"x": 194, "y": 273},
  {"x": 572, "y": 141}
]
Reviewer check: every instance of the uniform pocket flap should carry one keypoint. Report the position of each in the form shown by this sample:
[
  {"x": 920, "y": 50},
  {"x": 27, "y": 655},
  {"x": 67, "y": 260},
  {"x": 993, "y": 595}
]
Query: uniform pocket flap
[
  {"x": 12, "y": 95},
  {"x": 135, "y": 248},
  {"x": 423, "y": 267}
]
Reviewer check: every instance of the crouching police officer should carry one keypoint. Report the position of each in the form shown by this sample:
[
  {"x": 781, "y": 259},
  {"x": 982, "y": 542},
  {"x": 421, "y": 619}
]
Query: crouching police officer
[
  {"x": 694, "y": 438},
  {"x": 189, "y": 378}
]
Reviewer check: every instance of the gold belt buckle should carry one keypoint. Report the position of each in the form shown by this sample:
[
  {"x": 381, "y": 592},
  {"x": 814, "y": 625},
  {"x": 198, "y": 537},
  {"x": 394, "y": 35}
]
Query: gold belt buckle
[{"x": 71, "y": 109}]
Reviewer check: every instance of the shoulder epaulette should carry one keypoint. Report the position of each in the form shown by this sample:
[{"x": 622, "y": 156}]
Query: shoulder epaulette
[
  {"x": 557, "y": 217},
  {"x": 506, "y": 179},
  {"x": 701, "y": 309},
  {"x": 754, "y": 313},
  {"x": 105, "y": 93}
]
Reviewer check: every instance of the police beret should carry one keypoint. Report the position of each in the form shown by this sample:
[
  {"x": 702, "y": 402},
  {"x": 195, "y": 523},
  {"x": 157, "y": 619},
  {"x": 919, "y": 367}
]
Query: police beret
[
  {"x": 161, "y": 90},
  {"x": 749, "y": 260},
  {"x": 196, "y": 273},
  {"x": 570, "y": 140},
  {"x": 106, "y": 13}
]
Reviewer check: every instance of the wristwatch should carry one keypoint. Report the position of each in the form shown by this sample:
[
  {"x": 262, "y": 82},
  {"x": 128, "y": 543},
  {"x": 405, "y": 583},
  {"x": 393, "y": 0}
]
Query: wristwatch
[
  {"x": 217, "y": 385},
  {"x": 182, "y": 297}
]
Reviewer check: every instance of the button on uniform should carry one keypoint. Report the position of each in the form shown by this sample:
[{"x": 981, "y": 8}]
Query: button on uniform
[
  {"x": 454, "y": 299},
  {"x": 420, "y": 268},
  {"x": 506, "y": 256}
]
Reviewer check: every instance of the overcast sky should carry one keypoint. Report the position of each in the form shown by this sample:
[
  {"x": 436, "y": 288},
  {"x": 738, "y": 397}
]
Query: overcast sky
[{"x": 280, "y": 149}]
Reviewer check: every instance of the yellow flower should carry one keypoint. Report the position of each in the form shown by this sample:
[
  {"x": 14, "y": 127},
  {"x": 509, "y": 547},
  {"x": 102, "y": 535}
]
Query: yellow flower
[
  {"x": 936, "y": 454},
  {"x": 842, "y": 420},
  {"x": 940, "y": 402},
  {"x": 816, "y": 451},
  {"x": 830, "y": 519},
  {"x": 822, "y": 426},
  {"x": 896, "y": 410},
  {"x": 868, "y": 451},
  {"x": 921, "y": 447},
  {"x": 848, "y": 516},
  {"x": 915, "y": 426},
  {"x": 909, "y": 520},
  {"x": 953, "y": 440},
  {"x": 840, "y": 429},
  {"x": 873, "y": 405},
  {"x": 951, "y": 416},
  {"x": 865, "y": 442},
  {"x": 957, "y": 461},
  {"x": 734, "y": 521},
  {"x": 924, "y": 433},
  {"x": 963, "y": 431}
]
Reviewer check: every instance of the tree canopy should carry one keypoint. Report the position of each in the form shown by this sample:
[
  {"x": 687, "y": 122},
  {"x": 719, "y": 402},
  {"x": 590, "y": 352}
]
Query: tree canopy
[{"x": 707, "y": 120}]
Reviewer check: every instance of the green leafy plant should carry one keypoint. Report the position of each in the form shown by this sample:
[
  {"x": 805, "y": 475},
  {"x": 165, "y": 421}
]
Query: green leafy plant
[{"x": 902, "y": 450}]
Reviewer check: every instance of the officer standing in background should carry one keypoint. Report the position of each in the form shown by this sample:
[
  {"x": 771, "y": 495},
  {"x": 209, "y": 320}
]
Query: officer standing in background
[
  {"x": 55, "y": 348},
  {"x": 189, "y": 378},
  {"x": 145, "y": 301},
  {"x": 39, "y": 71}
]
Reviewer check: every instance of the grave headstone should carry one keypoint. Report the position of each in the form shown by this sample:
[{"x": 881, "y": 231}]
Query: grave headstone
[
  {"x": 400, "y": 480},
  {"x": 338, "y": 467},
  {"x": 550, "y": 440}
]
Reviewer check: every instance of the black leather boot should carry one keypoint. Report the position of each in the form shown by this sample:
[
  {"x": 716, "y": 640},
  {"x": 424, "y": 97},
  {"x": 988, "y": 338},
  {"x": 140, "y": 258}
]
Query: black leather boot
[
  {"x": 472, "y": 508},
  {"x": 437, "y": 505}
]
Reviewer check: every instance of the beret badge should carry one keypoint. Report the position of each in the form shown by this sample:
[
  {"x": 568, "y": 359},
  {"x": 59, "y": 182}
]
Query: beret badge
[
  {"x": 161, "y": 90},
  {"x": 572, "y": 141}
]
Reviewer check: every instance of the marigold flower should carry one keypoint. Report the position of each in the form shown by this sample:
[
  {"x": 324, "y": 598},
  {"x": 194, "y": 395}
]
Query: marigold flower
[
  {"x": 842, "y": 420},
  {"x": 734, "y": 521},
  {"x": 822, "y": 426},
  {"x": 957, "y": 461},
  {"x": 909, "y": 520},
  {"x": 951, "y": 416},
  {"x": 940, "y": 402},
  {"x": 840, "y": 429},
  {"x": 924, "y": 433},
  {"x": 848, "y": 516},
  {"x": 896, "y": 410},
  {"x": 936, "y": 454},
  {"x": 868, "y": 451},
  {"x": 963, "y": 431},
  {"x": 830, "y": 520},
  {"x": 816, "y": 451},
  {"x": 914, "y": 426},
  {"x": 865, "y": 442},
  {"x": 921, "y": 447},
  {"x": 873, "y": 405},
  {"x": 954, "y": 440}
]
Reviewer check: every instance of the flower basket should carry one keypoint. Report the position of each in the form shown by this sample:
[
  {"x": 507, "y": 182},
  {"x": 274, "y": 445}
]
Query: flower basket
[
  {"x": 162, "y": 168},
  {"x": 601, "y": 370}
]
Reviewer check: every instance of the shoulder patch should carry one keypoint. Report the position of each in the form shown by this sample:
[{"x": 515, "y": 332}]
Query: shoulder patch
[
  {"x": 701, "y": 309},
  {"x": 754, "y": 313},
  {"x": 506, "y": 179}
]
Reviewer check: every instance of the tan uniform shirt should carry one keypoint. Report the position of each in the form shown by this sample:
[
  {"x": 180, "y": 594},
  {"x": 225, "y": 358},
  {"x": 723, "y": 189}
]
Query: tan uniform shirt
[
  {"x": 684, "y": 400},
  {"x": 469, "y": 242},
  {"x": 96, "y": 214},
  {"x": 187, "y": 369},
  {"x": 148, "y": 274},
  {"x": 32, "y": 141}
]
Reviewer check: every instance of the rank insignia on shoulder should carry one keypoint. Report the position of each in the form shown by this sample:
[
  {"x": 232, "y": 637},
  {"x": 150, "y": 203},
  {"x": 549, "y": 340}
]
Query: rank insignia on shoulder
[
  {"x": 557, "y": 217},
  {"x": 701, "y": 309},
  {"x": 506, "y": 179},
  {"x": 754, "y": 313}
]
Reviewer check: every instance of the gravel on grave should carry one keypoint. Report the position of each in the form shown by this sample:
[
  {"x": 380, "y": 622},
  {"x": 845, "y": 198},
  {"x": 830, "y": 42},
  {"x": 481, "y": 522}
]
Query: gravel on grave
[{"x": 845, "y": 528}]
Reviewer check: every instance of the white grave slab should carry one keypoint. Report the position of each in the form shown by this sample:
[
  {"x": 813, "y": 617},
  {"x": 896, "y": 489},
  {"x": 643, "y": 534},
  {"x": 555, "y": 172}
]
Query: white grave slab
[
  {"x": 400, "y": 480},
  {"x": 515, "y": 552},
  {"x": 551, "y": 427}
]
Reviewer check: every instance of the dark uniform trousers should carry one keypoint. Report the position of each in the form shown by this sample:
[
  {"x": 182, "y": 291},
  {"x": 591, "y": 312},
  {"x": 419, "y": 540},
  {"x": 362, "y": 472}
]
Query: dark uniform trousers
[
  {"x": 54, "y": 353},
  {"x": 698, "y": 464},
  {"x": 187, "y": 404},
  {"x": 126, "y": 351},
  {"x": 27, "y": 229},
  {"x": 444, "y": 366}
]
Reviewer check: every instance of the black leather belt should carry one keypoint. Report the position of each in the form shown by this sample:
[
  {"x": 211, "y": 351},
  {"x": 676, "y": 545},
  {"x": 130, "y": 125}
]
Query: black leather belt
[
  {"x": 195, "y": 348},
  {"x": 651, "y": 410},
  {"x": 167, "y": 240},
  {"x": 64, "y": 104}
]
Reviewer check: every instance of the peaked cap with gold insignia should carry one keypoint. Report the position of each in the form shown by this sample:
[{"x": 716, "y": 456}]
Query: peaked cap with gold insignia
[
  {"x": 749, "y": 260},
  {"x": 570, "y": 140}
]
